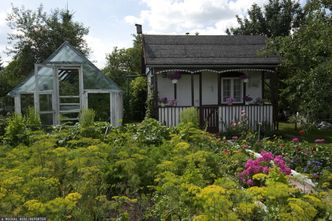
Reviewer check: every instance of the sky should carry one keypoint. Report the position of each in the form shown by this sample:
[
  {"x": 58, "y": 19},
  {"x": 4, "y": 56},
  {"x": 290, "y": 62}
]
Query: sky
[{"x": 111, "y": 23}]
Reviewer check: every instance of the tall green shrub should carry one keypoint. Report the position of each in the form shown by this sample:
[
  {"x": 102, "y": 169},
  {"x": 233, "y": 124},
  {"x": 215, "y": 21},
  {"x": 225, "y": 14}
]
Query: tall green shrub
[
  {"x": 190, "y": 115},
  {"x": 33, "y": 119},
  {"x": 16, "y": 131},
  {"x": 87, "y": 118}
]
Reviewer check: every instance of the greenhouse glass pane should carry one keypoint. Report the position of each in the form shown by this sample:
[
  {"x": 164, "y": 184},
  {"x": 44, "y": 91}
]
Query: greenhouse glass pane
[
  {"x": 100, "y": 103},
  {"x": 94, "y": 79},
  {"x": 45, "y": 78},
  {"x": 45, "y": 102},
  {"x": 67, "y": 55},
  {"x": 46, "y": 119},
  {"x": 26, "y": 102}
]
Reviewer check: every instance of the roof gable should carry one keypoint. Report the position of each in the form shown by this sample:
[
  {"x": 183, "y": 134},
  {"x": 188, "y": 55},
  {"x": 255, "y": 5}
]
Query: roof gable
[{"x": 93, "y": 78}]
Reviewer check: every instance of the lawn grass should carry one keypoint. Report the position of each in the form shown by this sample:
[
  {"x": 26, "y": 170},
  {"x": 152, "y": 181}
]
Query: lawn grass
[{"x": 287, "y": 131}]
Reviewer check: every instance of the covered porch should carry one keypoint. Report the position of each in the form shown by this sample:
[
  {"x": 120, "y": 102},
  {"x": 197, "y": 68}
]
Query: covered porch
[{"x": 221, "y": 97}]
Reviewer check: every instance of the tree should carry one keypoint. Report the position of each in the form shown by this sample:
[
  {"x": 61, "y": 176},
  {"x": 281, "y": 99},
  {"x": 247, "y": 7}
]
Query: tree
[
  {"x": 306, "y": 58},
  {"x": 1, "y": 63},
  {"x": 277, "y": 18},
  {"x": 124, "y": 67},
  {"x": 35, "y": 36}
]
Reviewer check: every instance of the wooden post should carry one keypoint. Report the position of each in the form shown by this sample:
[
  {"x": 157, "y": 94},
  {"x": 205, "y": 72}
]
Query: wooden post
[
  {"x": 219, "y": 89},
  {"x": 192, "y": 90},
  {"x": 274, "y": 98},
  {"x": 200, "y": 101},
  {"x": 155, "y": 93}
]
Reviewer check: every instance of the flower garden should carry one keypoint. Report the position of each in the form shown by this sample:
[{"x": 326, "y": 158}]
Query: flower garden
[{"x": 147, "y": 171}]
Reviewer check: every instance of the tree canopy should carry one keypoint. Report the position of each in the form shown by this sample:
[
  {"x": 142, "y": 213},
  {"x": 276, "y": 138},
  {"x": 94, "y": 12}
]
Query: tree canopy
[
  {"x": 1, "y": 63},
  {"x": 307, "y": 63},
  {"x": 124, "y": 67},
  {"x": 276, "y": 18},
  {"x": 36, "y": 34}
]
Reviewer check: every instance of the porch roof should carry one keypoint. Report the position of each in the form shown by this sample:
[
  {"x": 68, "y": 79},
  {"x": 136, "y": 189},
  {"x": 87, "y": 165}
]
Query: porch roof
[{"x": 206, "y": 51}]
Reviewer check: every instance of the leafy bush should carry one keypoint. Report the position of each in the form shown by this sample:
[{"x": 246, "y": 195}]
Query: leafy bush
[
  {"x": 16, "y": 131},
  {"x": 190, "y": 115},
  {"x": 145, "y": 172},
  {"x": 33, "y": 119},
  {"x": 87, "y": 118}
]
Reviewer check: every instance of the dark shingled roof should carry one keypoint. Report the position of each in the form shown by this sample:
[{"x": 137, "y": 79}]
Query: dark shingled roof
[{"x": 205, "y": 50}]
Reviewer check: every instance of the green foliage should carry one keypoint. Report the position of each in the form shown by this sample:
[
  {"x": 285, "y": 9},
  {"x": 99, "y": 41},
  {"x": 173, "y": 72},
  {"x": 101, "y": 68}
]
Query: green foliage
[
  {"x": 35, "y": 36},
  {"x": 143, "y": 172},
  {"x": 33, "y": 119},
  {"x": 87, "y": 118},
  {"x": 306, "y": 64},
  {"x": 276, "y": 18},
  {"x": 138, "y": 95},
  {"x": 190, "y": 115},
  {"x": 16, "y": 131},
  {"x": 124, "y": 67}
]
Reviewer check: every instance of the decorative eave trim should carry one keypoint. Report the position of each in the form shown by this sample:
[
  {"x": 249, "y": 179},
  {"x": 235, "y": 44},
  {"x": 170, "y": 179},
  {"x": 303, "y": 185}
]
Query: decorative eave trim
[{"x": 215, "y": 71}]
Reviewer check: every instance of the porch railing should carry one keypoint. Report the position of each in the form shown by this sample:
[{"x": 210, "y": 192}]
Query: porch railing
[{"x": 218, "y": 118}]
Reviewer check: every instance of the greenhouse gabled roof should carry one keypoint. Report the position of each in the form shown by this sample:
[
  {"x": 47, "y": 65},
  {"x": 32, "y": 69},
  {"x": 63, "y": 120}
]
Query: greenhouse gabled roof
[{"x": 93, "y": 78}]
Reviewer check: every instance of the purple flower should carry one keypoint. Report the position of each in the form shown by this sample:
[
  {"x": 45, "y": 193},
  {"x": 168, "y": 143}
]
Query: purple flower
[
  {"x": 229, "y": 100},
  {"x": 247, "y": 98}
]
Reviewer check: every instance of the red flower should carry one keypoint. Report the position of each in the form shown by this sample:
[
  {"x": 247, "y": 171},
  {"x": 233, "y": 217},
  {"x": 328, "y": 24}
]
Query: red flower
[
  {"x": 301, "y": 132},
  {"x": 282, "y": 145}
]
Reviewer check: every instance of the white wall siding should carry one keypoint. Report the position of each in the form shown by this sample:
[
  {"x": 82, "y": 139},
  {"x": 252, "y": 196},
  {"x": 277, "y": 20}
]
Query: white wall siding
[
  {"x": 254, "y": 85},
  {"x": 209, "y": 88},
  {"x": 184, "y": 90},
  {"x": 165, "y": 87},
  {"x": 196, "y": 90}
]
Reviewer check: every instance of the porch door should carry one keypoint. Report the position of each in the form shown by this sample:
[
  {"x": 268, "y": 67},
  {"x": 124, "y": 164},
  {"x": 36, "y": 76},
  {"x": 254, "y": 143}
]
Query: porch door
[
  {"x": 209, "y": 118},
  {"x": 68, "y": 94}
]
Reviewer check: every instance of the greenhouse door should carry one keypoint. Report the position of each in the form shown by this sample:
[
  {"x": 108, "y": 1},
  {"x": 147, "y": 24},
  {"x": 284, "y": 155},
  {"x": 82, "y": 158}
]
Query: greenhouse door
[
  {"x": 44, "y": 95},
  {"x": 68, "y": 84}
]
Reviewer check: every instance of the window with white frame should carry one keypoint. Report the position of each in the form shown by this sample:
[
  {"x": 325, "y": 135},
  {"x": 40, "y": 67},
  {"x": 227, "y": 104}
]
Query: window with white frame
[{"x": 232, "y": 90}]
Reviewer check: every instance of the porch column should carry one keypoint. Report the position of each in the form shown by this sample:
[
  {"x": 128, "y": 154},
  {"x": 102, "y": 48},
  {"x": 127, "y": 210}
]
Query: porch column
[
  {"x": 274, "y": 97},
  {"x": 219, "y": 90},
  {"x": 155, "y": 94}
]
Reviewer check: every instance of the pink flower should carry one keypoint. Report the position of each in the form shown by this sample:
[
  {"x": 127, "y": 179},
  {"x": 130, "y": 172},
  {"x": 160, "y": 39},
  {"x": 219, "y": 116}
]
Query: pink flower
[
  {"x": 235, "y": 137},
  {"x": 295, "y": 139},
  {"x": 250, "y": 182},
  {"x": 267, "y": 156},
  {"x": 320, "y": 140},
  {"x": 266, "y": 169}
]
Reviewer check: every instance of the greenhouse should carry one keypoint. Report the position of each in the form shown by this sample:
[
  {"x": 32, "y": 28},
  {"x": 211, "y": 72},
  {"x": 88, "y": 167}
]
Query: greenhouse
[{"x": 66, "y": 83}]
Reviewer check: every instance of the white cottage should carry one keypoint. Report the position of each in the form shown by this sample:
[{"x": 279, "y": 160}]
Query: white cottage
[
  {"x": 66, "y": 83},
  {"x": 219, "y": 75}
]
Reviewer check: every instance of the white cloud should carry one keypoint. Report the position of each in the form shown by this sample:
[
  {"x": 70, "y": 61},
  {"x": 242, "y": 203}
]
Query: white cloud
[
  {"x": 181, "y": 16},
  {"x": 3, "y": 16},
  {"x": 101, "y": 47}
]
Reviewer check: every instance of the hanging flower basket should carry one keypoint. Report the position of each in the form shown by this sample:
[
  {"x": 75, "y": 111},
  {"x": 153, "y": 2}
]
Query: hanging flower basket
[
  {"x": 244, "y": 78},
  {"x": 174, "y": 76}
]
